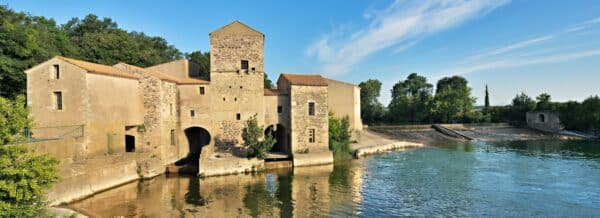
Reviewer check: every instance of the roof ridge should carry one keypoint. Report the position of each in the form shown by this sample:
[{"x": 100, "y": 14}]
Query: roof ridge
[
  {"x": 97, "y": 68},
  {"x": 153, "y": 71}
]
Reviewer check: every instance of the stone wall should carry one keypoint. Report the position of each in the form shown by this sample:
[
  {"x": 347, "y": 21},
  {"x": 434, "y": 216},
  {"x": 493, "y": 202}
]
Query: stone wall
[
  {"x": 233, "y": 43},
  {"x": 544, "y": 120},
  {"x": 301, "y": 122}
]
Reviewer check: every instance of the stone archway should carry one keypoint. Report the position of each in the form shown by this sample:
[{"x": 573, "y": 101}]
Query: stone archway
[
  {"x": 279, "y": 132},
  {"x": 197, "y": 138}
]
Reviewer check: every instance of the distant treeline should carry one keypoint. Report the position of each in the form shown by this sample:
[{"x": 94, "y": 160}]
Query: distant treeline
[{"x": 414, "y": 101}]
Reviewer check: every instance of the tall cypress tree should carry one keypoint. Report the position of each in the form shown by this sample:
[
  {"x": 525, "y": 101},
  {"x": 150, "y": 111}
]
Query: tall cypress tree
[{"x": 487, "y": 98}]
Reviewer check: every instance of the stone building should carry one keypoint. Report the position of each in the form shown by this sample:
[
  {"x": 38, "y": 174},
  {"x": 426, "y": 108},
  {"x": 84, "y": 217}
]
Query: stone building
[
  {"x": 168, "y": 112},
  {"x": 548, "y": 121}
]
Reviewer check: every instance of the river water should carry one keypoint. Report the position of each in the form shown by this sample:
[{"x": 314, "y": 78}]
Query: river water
[{"x": 522, "y": 178}]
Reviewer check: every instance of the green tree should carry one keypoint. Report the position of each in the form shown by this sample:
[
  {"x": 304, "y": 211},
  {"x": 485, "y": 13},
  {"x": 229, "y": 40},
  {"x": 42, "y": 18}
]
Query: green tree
[
  {"x": 453, "y": 101},
  {"x": 372, "y": 111},
  {"x": 339, "y": 137},
  {"x": 26, "y": 41},
  {"x": 521, "y": 104},
  {"x": 251, "y": 134},
  {"x": 268, "y": 82},
  {"x": 13, "y": 119},
  {"x": 203, "y": 61},
  {"x": 24, "y": 175},
  {"x": 411, "y": 100},
  {"x": 487, "y": 98},
  {"x": 544, "y": 102}
]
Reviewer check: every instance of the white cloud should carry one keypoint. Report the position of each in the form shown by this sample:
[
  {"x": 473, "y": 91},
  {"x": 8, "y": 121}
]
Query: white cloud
[
  {"x": 402, "y": 22},
  {"x": 511, "y": 47},
  {"x": 507, "y": 63},
  {"x": 583, "y": 25}
]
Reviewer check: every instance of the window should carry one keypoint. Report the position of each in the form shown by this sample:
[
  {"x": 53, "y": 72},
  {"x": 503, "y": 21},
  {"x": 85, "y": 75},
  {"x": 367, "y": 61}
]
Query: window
[
  {"x": 56, "y": 71},
  {"x": 201, "y": 90},
  {"x": 173, "y": 137},
  {"x": 192, "y": 113},
  {"x": 223, "y": 98},
  {"x": 279, "y": 109},
  {"x": 129, "y": 143},
  {"x": 235, "y": 99},
  {"x": 238, "y": 116},
  {"x": 58, "y": 100},
  {"x": 311, "y": 108},
  {"x": 244, "y": 65},
  {"x": 171, "y": 109},
  {"x": 311, "y": 135},
  {"x": 241, "y": 87}
]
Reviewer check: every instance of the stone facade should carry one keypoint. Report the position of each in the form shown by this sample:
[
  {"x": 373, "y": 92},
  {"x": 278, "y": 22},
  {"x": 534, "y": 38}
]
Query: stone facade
[
  {"x": 166, "y": 112},
  {"x": 548, "y": 121}
]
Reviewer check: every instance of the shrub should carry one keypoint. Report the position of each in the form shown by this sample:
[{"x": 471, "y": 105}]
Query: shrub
[
  {"x": 251, "y": 134},
  {"x": 23, "y": 178},
  {"x": 339, "y": 137}
]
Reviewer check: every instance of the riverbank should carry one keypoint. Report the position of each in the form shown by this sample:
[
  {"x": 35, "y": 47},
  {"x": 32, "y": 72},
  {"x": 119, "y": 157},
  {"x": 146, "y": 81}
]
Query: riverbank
[{"x": 368, "y": 143}]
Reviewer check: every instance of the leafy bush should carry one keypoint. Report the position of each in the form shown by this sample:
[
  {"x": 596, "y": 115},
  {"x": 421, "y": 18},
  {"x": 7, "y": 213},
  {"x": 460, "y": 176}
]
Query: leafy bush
[
  {"x": 23, "y": 178},
  {"x": 339, "y": 137},
  {"x": 13, "y": 119},
  {"x": 251, "y": 134}
]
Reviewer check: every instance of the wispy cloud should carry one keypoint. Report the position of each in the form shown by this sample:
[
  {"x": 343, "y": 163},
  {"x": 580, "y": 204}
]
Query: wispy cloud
[
  {"x": 401, "y": 23},
  {"x": 583, "y": 25},
  {"x": 510, "y": 47},
  {"x": 507, "y": 63}
]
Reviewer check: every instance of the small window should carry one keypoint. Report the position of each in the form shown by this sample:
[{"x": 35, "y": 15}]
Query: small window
[
  {"x": 253, "y": 69},
  {"x": 311, "y": 108},
  {"x": 235, "y": 99},
  {"x": 311, "y": 135},
  {"x": 224, "y": 99},
  {"x": 192, "y": 113},
  {"x": 201, "y": 90},
  {"x": 238, "y": 116},
  {"x": 279, "y": 109},
  {"x": 173, "y": 137},
  {"x": 58, "y": 100},
  {"x": 171, "y": 109},
  {"x": 245, "y": 65},
  {"x": 129, "y": 143},
  {"x": 241, "y": 87},
  {"x": 56, "y": 71}
]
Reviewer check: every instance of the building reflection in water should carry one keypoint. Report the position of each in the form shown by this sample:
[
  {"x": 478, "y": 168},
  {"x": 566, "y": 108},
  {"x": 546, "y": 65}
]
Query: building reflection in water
[{"x": 300, "y": 192}]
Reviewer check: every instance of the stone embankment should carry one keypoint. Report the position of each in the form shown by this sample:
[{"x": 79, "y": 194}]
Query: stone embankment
[{"x": 369, "y": 142}]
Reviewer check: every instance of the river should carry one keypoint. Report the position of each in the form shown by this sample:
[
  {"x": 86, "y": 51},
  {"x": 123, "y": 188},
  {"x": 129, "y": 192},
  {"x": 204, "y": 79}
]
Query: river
[{"x": 474, "y": 179}]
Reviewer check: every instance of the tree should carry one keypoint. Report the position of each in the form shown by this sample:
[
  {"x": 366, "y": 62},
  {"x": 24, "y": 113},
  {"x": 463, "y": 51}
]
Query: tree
[
  {"x": 268, "y": 82},
  {"x": 26, "y": 41},
  {"x": 521, "y": 104},
  {"x": 411, "y": 99},
  {"x": 13, "y": 119},
  {"x": 487, "y": 98},
  {"x": 24, "y": 175},
  {"x": 339, "y": 137},
  {"x": 544, "y": 102},
  {"x": 203, "y": 61},
  {"x": 251, "y": 134},
  {"x": 453, "y": 101},
  {"x": 372, "y": 110}
]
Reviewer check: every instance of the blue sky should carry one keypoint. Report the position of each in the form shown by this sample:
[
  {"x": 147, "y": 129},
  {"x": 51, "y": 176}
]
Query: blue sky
[{"x": 533, "y": 46}]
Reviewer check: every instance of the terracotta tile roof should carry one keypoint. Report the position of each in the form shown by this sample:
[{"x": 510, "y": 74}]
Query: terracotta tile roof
[
  {"x": 192, "y": 81},
  {"x": 98, "y": 68},
  {"x": 271, "y": 92},
  {"x": 155, "y": 73},
  {"x": 305, "y": 79}
]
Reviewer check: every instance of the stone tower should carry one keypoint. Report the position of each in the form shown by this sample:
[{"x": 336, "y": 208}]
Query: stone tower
[{"x": 237, "y": 80}]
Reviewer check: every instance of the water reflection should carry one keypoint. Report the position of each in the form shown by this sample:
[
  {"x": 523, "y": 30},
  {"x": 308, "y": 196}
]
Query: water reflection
[
  {"x": 301, "y": 192},
  {"x": 463, "y": 179}
]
